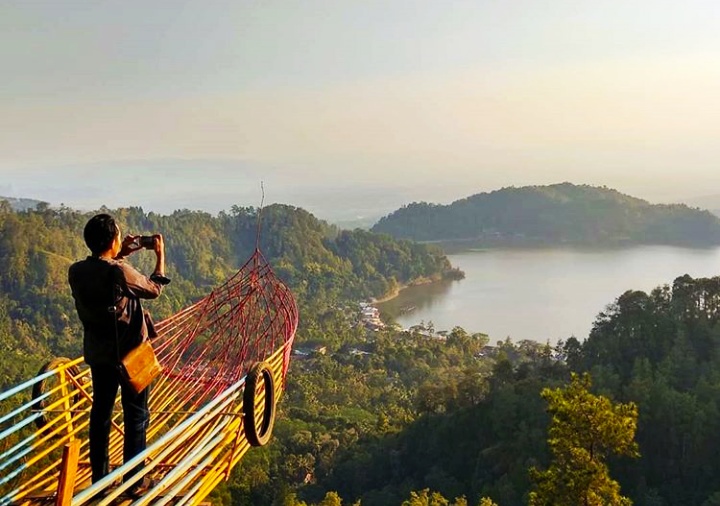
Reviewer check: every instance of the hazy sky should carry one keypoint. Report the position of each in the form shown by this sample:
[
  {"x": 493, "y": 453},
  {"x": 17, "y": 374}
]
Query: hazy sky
[{"x": 173, "y": 104}]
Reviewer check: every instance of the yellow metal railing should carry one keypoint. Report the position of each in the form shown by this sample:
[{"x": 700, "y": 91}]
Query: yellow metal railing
[
  {"x": 189, "y": 451},
  {"x": 197, "y": 432}
]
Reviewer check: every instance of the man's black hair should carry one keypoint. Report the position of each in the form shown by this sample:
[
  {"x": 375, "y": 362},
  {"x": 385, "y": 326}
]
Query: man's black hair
[{"x": 99, "y": 233}]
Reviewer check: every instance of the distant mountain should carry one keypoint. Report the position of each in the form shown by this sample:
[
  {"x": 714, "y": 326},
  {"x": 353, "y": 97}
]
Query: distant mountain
[
  {"x": 20, "y": 204},
  {"x": 560, "y": 213}
]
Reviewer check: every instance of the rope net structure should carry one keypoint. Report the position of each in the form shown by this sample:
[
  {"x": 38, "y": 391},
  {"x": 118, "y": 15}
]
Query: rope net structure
[{"x": 204, "y": 406}]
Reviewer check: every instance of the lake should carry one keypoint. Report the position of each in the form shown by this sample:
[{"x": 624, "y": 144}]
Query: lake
[{"x": 543, "y": 294}]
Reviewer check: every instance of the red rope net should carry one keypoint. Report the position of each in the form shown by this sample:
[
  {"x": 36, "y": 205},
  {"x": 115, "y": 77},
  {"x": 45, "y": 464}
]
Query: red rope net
[{"x": 211, "y": 345}]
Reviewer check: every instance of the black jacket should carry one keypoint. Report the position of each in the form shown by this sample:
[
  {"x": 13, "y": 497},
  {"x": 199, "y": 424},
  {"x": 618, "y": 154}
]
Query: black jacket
[{"x": 107, "y": 297}]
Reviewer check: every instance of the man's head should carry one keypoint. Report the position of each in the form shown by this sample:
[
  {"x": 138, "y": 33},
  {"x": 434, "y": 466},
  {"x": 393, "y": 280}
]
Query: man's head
[{"x": 101, "y": 234}]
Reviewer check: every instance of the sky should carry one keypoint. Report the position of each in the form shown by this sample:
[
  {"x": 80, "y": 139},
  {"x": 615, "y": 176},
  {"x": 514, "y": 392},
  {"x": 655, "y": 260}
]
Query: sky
[{"x": 350, "y": 108}]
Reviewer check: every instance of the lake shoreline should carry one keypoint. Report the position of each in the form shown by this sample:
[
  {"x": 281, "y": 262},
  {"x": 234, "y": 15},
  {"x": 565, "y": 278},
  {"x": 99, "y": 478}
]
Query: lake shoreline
[
  {"x": 396, "y": 292},
  {"x": 541, "y": 294}
]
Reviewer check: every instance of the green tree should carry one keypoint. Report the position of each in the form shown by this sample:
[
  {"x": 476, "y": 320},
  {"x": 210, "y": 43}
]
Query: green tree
[
  {"x": 585, "y": 429},
  {"x": 331, "y": 499},
  {"x": 290, "y": 499},
  {"x": 713, "y": 500},
  {"x": 427, "y": 498}
]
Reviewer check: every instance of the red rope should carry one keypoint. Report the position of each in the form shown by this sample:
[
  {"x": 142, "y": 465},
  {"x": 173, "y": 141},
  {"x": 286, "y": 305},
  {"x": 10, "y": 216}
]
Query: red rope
[{"x": 213, "y": 343}]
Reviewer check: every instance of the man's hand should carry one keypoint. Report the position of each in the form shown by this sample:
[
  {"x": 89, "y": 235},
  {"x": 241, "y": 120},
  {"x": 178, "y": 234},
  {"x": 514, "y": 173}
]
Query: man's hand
[
  {"x": 159, "y": 248},
  {"x": 129, "y": 245},
  {"x": 158, "y": 244}
]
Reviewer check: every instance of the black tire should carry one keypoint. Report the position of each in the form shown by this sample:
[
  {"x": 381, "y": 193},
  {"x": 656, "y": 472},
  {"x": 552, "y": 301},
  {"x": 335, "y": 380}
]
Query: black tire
[
  {"x": 254, "y": 436},
  {"x": 44, "y": 386}
]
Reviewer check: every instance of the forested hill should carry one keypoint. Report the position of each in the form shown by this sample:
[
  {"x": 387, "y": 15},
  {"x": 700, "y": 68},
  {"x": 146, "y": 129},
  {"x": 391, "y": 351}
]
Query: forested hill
[
  {"x": 323, "y": 265},
  {"x": 560, "y": 213}
]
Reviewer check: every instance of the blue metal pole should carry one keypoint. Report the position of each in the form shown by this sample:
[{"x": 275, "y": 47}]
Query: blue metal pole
[
  {"x": 18, "y": 446},
  {"x": 189, "y": 477},
  {"x": 182, "y": 469},
  {"x": 27, "y": 384},
  {"x": 167, "y": 450},
  {"x": 19, "y": 425},
  {"x": 173, "y": 437},
  {"x": 24, "y": 407},
  {"x": 9, "y": 477},
  {"x": 14, "y": 459}
]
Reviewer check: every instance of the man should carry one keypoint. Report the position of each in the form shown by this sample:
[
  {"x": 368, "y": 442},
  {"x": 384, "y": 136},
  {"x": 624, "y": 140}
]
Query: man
[{"x": 107, "y": 293}]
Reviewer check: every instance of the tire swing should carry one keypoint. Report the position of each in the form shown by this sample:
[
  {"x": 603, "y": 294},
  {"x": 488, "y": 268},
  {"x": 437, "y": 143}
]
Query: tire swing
[
  {"x": 43, "y": 387},
  {"x": 259, "y": 436}
]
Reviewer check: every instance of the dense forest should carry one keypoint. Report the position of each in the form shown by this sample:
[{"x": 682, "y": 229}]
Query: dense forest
[
  {"x": 321, "y": 264},
  {"x": 466, "y": 420},
  {"x": 561, "y": 213},
  {"x": 395, "y": 417}
]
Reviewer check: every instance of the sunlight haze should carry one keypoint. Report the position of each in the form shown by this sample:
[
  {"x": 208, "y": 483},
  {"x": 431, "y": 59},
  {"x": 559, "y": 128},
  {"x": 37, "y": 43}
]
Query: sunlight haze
[{"x": 354, "y": 107}]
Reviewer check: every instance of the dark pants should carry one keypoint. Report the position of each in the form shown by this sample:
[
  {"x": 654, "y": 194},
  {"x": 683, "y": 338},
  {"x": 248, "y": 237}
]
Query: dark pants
[{"x": 136, "y": 416}]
